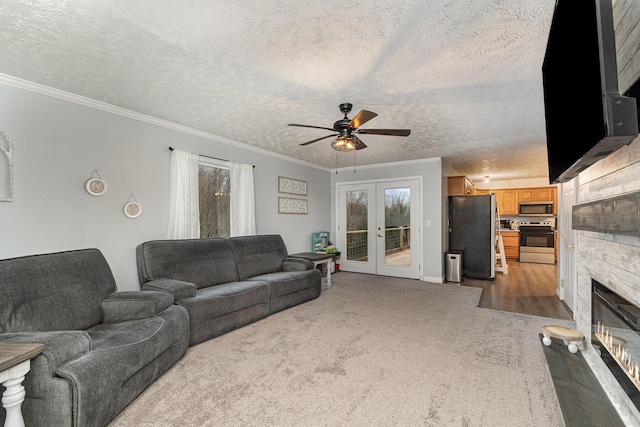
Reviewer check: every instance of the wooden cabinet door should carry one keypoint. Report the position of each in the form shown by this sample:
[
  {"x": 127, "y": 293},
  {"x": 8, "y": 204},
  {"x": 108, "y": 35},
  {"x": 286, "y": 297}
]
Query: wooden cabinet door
[
  {"x": 527, "y": 195},
  {"x": 544, "y": 194},
  {"x": 508, "y": 202},
  {"x": 511, "y": 242}
]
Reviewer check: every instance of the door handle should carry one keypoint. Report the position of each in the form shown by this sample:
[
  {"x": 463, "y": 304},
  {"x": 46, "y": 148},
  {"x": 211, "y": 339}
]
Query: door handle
[
  {"x": 379, "y": 235},
  {"x": 571, "y": 246}
]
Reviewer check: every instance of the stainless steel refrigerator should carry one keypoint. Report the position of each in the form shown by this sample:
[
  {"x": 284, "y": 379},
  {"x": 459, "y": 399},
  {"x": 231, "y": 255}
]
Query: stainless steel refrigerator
[{"x": 472, "y": 230}]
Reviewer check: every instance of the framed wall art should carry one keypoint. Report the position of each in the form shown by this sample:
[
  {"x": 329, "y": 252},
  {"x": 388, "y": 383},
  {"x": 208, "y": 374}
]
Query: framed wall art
[
  {"x": 287, "y": 205},
  {"x": 292, "y": 186}
]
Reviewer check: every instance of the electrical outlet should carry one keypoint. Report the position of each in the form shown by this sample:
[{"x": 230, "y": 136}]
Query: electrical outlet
[{"x": 428, "y": 266}]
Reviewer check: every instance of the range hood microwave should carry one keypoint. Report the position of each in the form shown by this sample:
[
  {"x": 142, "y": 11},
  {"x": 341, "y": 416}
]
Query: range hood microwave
[{"x": 535, "y": 209}]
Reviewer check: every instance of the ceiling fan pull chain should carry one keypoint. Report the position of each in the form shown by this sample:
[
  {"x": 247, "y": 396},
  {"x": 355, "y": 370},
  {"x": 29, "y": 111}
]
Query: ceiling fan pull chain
[{"x": 354, "y": 160}]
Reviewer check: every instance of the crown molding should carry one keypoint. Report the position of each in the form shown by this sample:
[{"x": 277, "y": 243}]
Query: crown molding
[
  {"x": 388, "y": 165},
  {"x": 103, "y": 106}
]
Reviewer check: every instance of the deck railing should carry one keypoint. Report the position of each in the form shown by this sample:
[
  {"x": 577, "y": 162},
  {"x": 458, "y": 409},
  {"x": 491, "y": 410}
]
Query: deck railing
[{"x": 396, "y": 239}]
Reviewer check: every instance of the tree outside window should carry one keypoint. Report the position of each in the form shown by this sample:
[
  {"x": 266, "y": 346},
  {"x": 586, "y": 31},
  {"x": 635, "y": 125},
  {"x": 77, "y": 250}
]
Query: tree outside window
[{"x": 214, "y": 197}]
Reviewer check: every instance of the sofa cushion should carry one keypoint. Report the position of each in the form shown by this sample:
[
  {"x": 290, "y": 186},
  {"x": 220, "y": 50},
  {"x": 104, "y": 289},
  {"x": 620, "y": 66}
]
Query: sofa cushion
[
  {"x": 203, "y": 262},
  {"x": 287, "y": 282},
  {"x": 258, "y": 254},
  {"x": 54, "y": 292},
  {"x": 216, "y": 301},
  {"x": 218, "y": 309},
  {"x": 289, "y": 288},
  {"x": 124, "y": 355}
]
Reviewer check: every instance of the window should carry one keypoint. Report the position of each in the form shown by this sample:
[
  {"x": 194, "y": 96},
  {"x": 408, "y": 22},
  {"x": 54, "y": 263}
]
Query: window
[{"x": 214, "y": 197}]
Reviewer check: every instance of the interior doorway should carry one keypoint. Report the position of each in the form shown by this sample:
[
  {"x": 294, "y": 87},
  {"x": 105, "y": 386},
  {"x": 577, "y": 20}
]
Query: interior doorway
[
  {"x": 566, "y": 243},
  {"x": 379, "y": 227}
]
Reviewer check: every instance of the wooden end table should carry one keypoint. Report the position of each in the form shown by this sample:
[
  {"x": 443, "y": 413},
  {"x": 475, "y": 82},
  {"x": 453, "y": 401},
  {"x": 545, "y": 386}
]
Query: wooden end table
[
  {"x": 15, "y": 362},
  {"x": 318, "y": 258}
]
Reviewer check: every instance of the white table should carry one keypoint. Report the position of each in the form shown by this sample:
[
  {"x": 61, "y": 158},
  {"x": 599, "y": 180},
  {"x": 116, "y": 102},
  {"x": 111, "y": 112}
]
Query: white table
[
  {"x": 15, "y": 363},
  {"x": 318, "y": 258}
]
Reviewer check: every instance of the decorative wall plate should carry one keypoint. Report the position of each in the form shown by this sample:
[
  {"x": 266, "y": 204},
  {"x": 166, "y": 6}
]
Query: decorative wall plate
[
  {"x": 96, "y": 186},
  {"x": 133, "y": 209}
]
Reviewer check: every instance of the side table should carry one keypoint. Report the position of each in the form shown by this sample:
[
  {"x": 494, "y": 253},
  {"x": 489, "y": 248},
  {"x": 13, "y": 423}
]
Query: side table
[
  {"x": 318, "y": 258},
  {"x": 569, "y": 336},
  {"x": 15, "y": 362}
]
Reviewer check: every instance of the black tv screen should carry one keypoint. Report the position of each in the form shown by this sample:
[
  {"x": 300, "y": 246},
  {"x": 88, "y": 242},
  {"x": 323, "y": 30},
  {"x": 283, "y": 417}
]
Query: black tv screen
[{"x": 586, "y": 118}]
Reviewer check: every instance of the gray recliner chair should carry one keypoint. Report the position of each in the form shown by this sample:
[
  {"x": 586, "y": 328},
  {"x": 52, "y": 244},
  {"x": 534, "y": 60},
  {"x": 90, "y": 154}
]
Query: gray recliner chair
[{"x": 102, "y": 348}]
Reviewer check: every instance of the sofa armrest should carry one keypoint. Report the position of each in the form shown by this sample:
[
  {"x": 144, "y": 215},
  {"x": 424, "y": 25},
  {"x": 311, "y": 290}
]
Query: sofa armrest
[
  {"x": 133, "y": 305},
  {"x": 179, "y": 289},
  {"x": 59, "y": 346},
  {"x": 297, "y": 264}
]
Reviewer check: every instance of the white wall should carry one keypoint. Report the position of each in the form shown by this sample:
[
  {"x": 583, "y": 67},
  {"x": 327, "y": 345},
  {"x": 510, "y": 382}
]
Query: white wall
[
  {"x": 432, "y": 201},
  {"x": 57, "y": 146}
]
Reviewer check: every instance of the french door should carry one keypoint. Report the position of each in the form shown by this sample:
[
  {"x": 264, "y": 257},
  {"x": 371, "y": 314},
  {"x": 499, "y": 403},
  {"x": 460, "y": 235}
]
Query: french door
[{"x": 379, "y": 228}]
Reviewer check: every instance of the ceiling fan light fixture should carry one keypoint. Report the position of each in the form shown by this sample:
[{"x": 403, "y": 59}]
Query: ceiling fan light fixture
[{"x": 344, "y": 143}]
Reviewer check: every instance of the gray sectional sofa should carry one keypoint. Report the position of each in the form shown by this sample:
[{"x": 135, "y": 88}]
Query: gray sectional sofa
[
  {"x": 102, "y": 348},
  {"x": 226, "y": 283}
]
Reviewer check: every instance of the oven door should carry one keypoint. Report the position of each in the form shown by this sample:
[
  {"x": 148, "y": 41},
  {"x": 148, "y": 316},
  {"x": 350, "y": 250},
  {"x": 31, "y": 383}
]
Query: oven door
[
  {"x": 537, "y": 239},
  {"x": 537, "y": 247}
]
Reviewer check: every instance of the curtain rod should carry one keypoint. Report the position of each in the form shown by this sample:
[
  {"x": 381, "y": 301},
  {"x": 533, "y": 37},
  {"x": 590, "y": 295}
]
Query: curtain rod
[{"x": 209, "y": 157}]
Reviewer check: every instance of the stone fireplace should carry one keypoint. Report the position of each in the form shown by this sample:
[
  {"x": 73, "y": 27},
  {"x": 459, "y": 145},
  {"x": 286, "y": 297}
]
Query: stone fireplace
[{"x": 616, "y": 337}]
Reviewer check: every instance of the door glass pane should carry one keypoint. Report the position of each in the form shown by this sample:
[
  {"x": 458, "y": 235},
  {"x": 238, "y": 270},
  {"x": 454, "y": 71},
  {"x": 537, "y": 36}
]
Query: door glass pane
[
  {"x": 397, "y": 220},
  {"x": 357, "y": 225}
]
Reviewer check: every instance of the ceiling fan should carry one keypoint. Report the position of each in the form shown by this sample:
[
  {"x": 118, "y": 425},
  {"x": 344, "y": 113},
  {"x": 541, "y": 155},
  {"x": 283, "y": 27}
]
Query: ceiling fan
[{"x": 346, "y": 128}]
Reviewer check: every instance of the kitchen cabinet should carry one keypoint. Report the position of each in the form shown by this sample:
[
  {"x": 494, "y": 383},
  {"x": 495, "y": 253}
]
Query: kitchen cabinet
[
  {"x": 459, "y": 186},
  {"x": 542, "y": 194},
  {"x": 507, "y": 201},
  {"x": 511, "y": 242}
]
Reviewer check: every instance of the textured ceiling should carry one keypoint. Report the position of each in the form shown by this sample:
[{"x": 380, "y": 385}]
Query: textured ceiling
[{"x": 463, "y": 75}]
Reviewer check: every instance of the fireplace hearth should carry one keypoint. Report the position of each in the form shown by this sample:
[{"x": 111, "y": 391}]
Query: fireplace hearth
[{"x": 616, "y": 335}]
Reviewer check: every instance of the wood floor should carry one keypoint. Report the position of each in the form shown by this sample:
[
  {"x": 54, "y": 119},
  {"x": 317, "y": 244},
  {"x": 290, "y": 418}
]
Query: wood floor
[{"x": 529, "y": 288}]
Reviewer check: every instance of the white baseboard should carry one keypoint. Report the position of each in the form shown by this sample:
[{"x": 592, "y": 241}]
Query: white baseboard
[{"x": 432, "y": 279}]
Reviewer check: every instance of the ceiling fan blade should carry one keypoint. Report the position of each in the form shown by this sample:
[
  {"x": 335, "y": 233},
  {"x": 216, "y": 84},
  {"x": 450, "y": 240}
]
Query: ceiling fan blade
[
  {"x": 319, "y": 139},
  {"x": 392, "y": 132},
  {"x": 359, "y": 144},
  {"x": 309, "y": 126},
  {"x": 361, "y": 118}
]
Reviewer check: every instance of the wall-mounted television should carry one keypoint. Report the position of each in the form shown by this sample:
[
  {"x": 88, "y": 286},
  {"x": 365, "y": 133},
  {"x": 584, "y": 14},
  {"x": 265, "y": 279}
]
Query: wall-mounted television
[{"x": 586, "y": 117}]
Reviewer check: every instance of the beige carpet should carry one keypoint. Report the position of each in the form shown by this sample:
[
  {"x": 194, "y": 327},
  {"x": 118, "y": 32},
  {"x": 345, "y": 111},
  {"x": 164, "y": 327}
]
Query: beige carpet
[{"x": 370, "y": 351}]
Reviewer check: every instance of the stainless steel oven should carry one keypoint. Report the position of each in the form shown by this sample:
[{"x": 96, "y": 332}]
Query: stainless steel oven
[{"x": 537, "y": 242}]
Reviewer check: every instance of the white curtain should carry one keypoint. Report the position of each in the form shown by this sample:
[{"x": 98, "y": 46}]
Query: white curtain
[
  {"x": 243, "y": 210},
  {"x": 184, "y": 215}
]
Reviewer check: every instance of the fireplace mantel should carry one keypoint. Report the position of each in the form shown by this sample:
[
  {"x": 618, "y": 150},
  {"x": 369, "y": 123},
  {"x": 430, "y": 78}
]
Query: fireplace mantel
[{"x": 614, "y": 215}]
